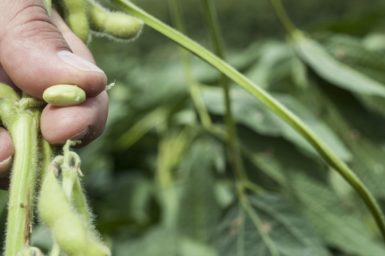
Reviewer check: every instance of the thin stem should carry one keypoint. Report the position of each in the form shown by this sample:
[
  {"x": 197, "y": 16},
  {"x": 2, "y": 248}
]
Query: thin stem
[
  {"x": 246, "y": 205},
  {"x": 68, "y": 174},
  {"x": 282, "y": 16},
  {"x": 195, "y": 90},
  {"x": 48, "y": 6},
  {"x": 24, "y": 132},
  {"x": 46, "y": 156},
  {"x": 268, "y": 101},
  {"x": 216, "y": 38},
  {"x": 55, "y": 251}
]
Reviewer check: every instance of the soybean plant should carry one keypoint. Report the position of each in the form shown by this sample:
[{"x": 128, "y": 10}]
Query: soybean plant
[{"x": 62, "y": 205}]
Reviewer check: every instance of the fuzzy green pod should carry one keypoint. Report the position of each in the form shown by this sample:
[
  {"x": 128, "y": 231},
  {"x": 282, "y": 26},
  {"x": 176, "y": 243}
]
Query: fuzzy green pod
[
  {"x": 63, "y": 95},
  {"x": 73, "y": 235},
  {"x": 76, "y": 17},
  {"x": 52, "y": 202},
  {"x": 114, "y": 24},
  {"x": 70, "y": 234},
  {"x": 96, "y": 248}
]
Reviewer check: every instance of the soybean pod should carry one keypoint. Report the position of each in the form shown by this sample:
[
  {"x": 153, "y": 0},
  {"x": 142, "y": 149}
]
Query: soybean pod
[
  {"x": 73, "y": 235},
  {"x": 76, "y": 17},
  {"x": 113, "y": 24}
]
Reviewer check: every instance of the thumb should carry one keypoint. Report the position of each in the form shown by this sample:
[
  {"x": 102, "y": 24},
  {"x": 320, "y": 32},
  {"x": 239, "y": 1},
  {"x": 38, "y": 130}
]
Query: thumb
[{"x": 35, "y": 55}]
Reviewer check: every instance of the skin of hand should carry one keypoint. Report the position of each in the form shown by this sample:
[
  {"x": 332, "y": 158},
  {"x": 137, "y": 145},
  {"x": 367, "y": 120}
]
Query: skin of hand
[{"x": 37, "y": 51}]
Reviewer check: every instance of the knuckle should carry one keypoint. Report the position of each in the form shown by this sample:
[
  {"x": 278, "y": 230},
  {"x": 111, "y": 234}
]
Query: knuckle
[{"x": 30, "y": 24}]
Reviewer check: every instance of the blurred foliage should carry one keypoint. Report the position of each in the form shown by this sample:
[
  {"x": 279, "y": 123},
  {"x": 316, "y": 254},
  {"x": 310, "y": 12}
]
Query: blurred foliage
[{"x": 161, "y": 184}]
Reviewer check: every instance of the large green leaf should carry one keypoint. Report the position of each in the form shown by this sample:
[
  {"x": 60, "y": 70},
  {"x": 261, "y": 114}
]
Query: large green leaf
[
  {"x": 339, "y": 225},
  {"x": 157, "y": 242},
  {"x": 199, "y": 209},
  {"x": 366, "y": 142},
  {"x": 160, "y": 242},
  {"x": 352, "y": 52},
  {"x": 333, "y": 70},
  {"x": 282, "y": 230},
  {"x": 371, "y": 62},
  {"x": 248, "y": 111},
  {"x": 274, "y": 56}
]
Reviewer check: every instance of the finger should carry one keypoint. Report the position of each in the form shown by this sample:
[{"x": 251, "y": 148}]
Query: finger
[
  {"x": 76, "y": 45},
  {"x": 84, "y": 122},
  {"x": 35, "y": 55},
  {"x": 6, "y": 152},
  {"x": 86, "y": 129}
]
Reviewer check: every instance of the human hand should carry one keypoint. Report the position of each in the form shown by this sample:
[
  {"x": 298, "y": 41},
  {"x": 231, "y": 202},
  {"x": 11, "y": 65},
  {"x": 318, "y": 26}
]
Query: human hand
[{"x": 37, "y": 51}]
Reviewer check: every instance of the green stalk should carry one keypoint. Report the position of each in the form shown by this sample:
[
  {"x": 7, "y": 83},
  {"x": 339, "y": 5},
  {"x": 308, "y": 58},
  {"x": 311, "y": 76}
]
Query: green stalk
[
  {"x": 267, "y": 100},
  {"x": 47, "y": 155},
  {"x": 246, "y": 205},
  {"x": 48, "y": 6},
  {"x": 69, "y": 175},
  {"x": 216, "y": 38},
  {"x": 21, "y": 118},
  {"x": 195, "y": 90},
  {"x": 282, "y": 16},
  {"x": 24, "y": 132}
]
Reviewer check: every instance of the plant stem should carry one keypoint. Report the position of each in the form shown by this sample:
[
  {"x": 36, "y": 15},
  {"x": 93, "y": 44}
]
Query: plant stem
[
  {"x": 47, "y": 154},
  {"x": 268, "y": 101},
  {"x": 24, "y": 131},
  {"x": 282, "y": 16},
  {"x": 195, "y": 90},
  {"x": 216, "y": 38},
  {"x": 246, "y": 205},
  {"x": 48, "y": 6},
  {"x": 69, "y": 175}
]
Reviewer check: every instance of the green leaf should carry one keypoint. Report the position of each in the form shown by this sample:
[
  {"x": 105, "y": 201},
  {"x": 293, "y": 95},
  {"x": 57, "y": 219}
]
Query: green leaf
[
  {"x": 375, "y": 41},
  {"x": 161, "y": 242},
  {"x": 273, "y": 55},
  {"x": 338, "y": 225},
  {"x": 192, "y": 248},
  {"x": 365, "y": 142},
  {"x": 199, "y": 209},
  {"x": 172, "y": 149},
  {"x": 352, "y": 52},
  {"x": 319, "y": 127},
  {"x": 250, "y": 112},
  {"x": 334, "y": 71},
  {"x": 141, "y": 127},
  {"x": 371, "y": 62},
  {"x": 284, "y": 228},
  {"x": 157, "y": 242}
]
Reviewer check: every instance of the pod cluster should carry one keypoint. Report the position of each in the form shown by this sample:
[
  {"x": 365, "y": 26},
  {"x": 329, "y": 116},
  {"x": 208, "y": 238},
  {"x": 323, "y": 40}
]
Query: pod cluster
[
  {"x": 87, "y": 17},
  {"x": 62, "y": 206}
]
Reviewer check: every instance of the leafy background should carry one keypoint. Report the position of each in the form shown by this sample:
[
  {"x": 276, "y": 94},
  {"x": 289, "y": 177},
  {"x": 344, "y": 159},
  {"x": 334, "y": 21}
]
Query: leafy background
[{"x": 161, "y": 184}]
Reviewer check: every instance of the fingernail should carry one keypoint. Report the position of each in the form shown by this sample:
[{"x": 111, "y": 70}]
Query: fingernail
[
  {"x": 78, "y": 62},
  {"x": 5, "y": 165},
  {"x": 81, "y": 135}
]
